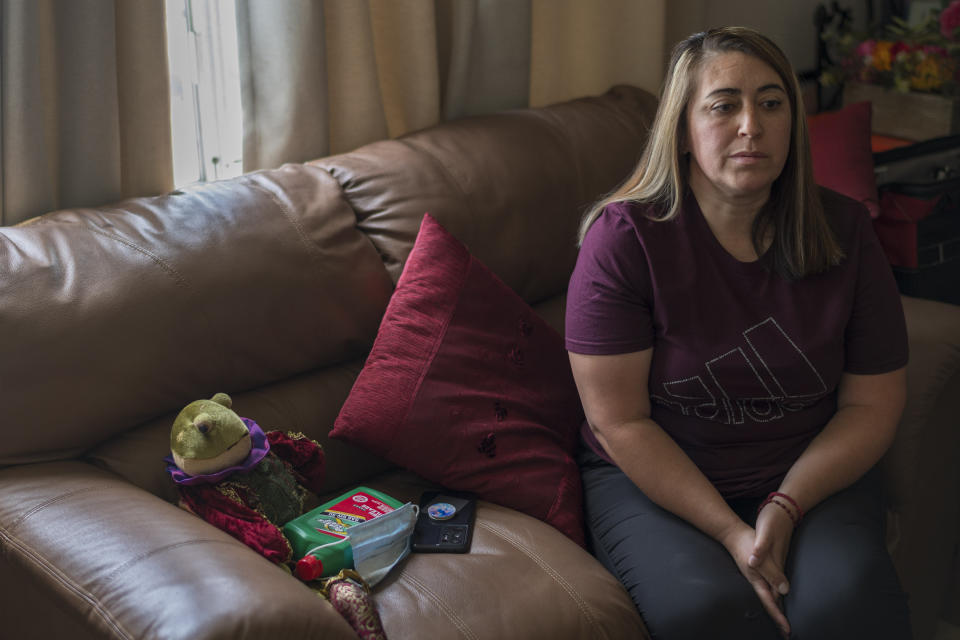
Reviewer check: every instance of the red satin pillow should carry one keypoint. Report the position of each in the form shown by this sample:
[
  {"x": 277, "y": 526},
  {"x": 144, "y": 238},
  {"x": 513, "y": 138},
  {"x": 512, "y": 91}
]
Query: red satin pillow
[
  {"x": 468, "y": 387},
  {"x": 842, "y": 155}
]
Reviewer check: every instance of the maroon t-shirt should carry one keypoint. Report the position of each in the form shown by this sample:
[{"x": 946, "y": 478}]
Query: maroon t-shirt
[{"x": 745, "y": 363}]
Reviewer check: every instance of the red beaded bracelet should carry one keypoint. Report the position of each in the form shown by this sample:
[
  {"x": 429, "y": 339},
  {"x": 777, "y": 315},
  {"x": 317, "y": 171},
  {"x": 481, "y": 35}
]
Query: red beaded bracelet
[
  {"x": 777, "y": 494},
  {"x": 771, "y": 497},
  {"x": 770, "y": 500}
]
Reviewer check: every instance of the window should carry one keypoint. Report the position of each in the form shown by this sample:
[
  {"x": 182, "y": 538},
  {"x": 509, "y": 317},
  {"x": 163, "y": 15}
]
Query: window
[{"x": 205, "y": 113}]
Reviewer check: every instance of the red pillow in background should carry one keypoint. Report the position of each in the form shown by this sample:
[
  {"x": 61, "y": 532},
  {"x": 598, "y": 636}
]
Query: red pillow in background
[
  {"x": 899, "y": 241},
  {"x": 468, "y": 387},
  {"x": 840, "y": 142},
  {"x": 896, "y": 228}
]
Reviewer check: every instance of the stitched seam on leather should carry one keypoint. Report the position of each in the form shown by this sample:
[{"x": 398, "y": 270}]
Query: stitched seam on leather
[
  {"x": 945, "y": 372},
  {"x": 585, "y": 608},
  {"x": 314, "y": 250},
  {"x": 46, "y": 503},
  {"x": 179, "y": 279},
  {"x": 447, "y": 609},
  {"x": 52, "y": 571},
  {"x": 143, "y": 556},
  {"x": 555, "y": 124},
  {"x": 438, "y": 164}
]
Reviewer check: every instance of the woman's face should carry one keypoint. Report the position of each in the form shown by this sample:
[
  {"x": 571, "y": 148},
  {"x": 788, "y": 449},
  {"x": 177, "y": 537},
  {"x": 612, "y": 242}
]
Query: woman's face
[{"x": 738, "y": 123}]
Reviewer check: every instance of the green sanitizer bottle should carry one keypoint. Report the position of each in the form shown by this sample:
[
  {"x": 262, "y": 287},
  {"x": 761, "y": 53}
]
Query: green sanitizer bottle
[{"x": 319, "y": 537}]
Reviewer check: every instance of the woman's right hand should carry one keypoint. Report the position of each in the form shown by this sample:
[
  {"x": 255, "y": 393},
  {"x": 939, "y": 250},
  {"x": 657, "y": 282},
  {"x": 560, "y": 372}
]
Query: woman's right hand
[{"x": 767, "y": 579}]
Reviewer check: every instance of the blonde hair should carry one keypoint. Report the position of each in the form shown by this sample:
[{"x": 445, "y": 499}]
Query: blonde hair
[{"x": 802, "y": 240}]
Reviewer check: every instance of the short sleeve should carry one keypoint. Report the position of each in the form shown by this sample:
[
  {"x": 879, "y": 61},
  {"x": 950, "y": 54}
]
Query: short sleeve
[
  {"x": 609, "y": 304},
  {"x": 876, "y": 334}
]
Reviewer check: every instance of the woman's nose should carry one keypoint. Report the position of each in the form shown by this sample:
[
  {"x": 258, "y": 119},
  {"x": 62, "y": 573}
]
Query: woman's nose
[{"x": 750, "y": 125}]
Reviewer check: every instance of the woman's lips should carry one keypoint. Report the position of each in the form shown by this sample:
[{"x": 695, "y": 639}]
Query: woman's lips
[{"x": 747, "y": 157}]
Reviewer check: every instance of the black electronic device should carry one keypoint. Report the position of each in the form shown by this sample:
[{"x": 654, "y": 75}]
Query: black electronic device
[{"x": 445, "y": 523}]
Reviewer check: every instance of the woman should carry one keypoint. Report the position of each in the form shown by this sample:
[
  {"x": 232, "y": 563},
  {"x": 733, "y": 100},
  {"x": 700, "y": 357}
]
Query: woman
[{"x": 739, "y": 347}]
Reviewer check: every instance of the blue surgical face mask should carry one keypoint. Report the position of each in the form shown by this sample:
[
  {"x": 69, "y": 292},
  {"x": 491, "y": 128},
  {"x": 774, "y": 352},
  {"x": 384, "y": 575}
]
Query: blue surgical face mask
[{"x": 382, "y": 542}]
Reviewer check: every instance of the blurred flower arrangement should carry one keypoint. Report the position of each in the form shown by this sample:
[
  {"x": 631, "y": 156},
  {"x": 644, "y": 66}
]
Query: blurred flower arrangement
[{"x": 919, "y": 57}]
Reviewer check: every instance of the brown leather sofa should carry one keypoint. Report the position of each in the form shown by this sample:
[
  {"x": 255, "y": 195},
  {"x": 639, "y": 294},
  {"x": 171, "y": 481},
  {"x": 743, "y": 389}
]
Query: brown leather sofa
[{"x": 271, "y": 287}]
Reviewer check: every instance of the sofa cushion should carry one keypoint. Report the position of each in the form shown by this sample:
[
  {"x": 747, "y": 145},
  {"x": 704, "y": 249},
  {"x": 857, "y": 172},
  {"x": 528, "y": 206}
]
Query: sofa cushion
[
  {"x": 521, "y": 579},
  {"x": 469, "y": 388}
]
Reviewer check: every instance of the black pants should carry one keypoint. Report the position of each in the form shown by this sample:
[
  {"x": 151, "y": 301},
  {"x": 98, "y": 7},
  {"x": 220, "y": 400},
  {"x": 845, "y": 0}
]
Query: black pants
[{"x": 686, "y": 585}]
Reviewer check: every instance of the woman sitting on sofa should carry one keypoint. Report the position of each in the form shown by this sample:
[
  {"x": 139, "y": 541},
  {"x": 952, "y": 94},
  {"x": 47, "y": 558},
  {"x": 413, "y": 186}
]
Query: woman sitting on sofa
[{"x": 738, "y": 342}]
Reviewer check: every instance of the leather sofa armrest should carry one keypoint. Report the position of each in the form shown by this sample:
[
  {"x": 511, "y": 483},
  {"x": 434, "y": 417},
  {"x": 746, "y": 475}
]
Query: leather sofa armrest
[
  {"x": 86, "y": 554},
  {"x": 927, "y": 433},
  {"x": 920, "y": 469}
]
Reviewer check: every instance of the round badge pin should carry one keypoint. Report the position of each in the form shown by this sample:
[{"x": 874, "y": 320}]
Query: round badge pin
[{"x": 441, "y": 511}]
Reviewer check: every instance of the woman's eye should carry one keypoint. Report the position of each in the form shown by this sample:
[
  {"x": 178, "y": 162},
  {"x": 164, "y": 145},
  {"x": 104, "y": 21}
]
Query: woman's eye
[
  {"x": 773, "y": 103},
  {"x": 723, "y": 107}
]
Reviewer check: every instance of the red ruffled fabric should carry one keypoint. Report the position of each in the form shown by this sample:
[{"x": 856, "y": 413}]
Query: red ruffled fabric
[
  {"x": 226, "y": 505},
  {"x": 237, "y": 519},
  {"x": 304, "y": 455}
]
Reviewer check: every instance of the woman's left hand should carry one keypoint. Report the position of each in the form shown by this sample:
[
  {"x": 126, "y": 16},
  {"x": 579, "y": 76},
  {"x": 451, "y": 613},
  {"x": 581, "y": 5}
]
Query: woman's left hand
[{"x": 774, "y": 529}]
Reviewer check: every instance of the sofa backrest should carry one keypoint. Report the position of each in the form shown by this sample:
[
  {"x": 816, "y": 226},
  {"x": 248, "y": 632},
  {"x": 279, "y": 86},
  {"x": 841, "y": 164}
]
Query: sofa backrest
[
  {"x": 511, "y": 186},
  {"x": 111, "y": 316},
  {"x": 271, "y": 286}
]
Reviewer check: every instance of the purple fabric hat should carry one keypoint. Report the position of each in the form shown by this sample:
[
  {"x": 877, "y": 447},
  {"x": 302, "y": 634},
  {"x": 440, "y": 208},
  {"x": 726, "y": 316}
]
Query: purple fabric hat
[{"x": 260, "y": 446}]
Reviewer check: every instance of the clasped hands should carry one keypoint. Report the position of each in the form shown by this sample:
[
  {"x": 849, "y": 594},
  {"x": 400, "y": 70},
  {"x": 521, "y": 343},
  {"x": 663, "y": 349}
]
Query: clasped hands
[{"x": 761, "y": 554}]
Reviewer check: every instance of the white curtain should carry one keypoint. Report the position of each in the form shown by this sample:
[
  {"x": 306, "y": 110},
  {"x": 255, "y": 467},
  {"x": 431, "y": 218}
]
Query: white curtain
[
  {"x": 84, "y": 104},
  {"x": 484, "y": 50},
  {"x": 326, "y": 76},
  {"x": 84, "y": 88},
  {"x": 582, "y": 48}
]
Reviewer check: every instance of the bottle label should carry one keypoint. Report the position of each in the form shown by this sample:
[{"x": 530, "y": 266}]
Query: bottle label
[{"x": 356, "y": 508}]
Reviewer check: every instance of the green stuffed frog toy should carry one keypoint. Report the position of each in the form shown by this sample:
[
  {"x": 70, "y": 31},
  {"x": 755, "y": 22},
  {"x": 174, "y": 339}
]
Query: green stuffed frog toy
[
  {"x": 208, "y": 436},
  {"x": 240, "y": 479}
]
